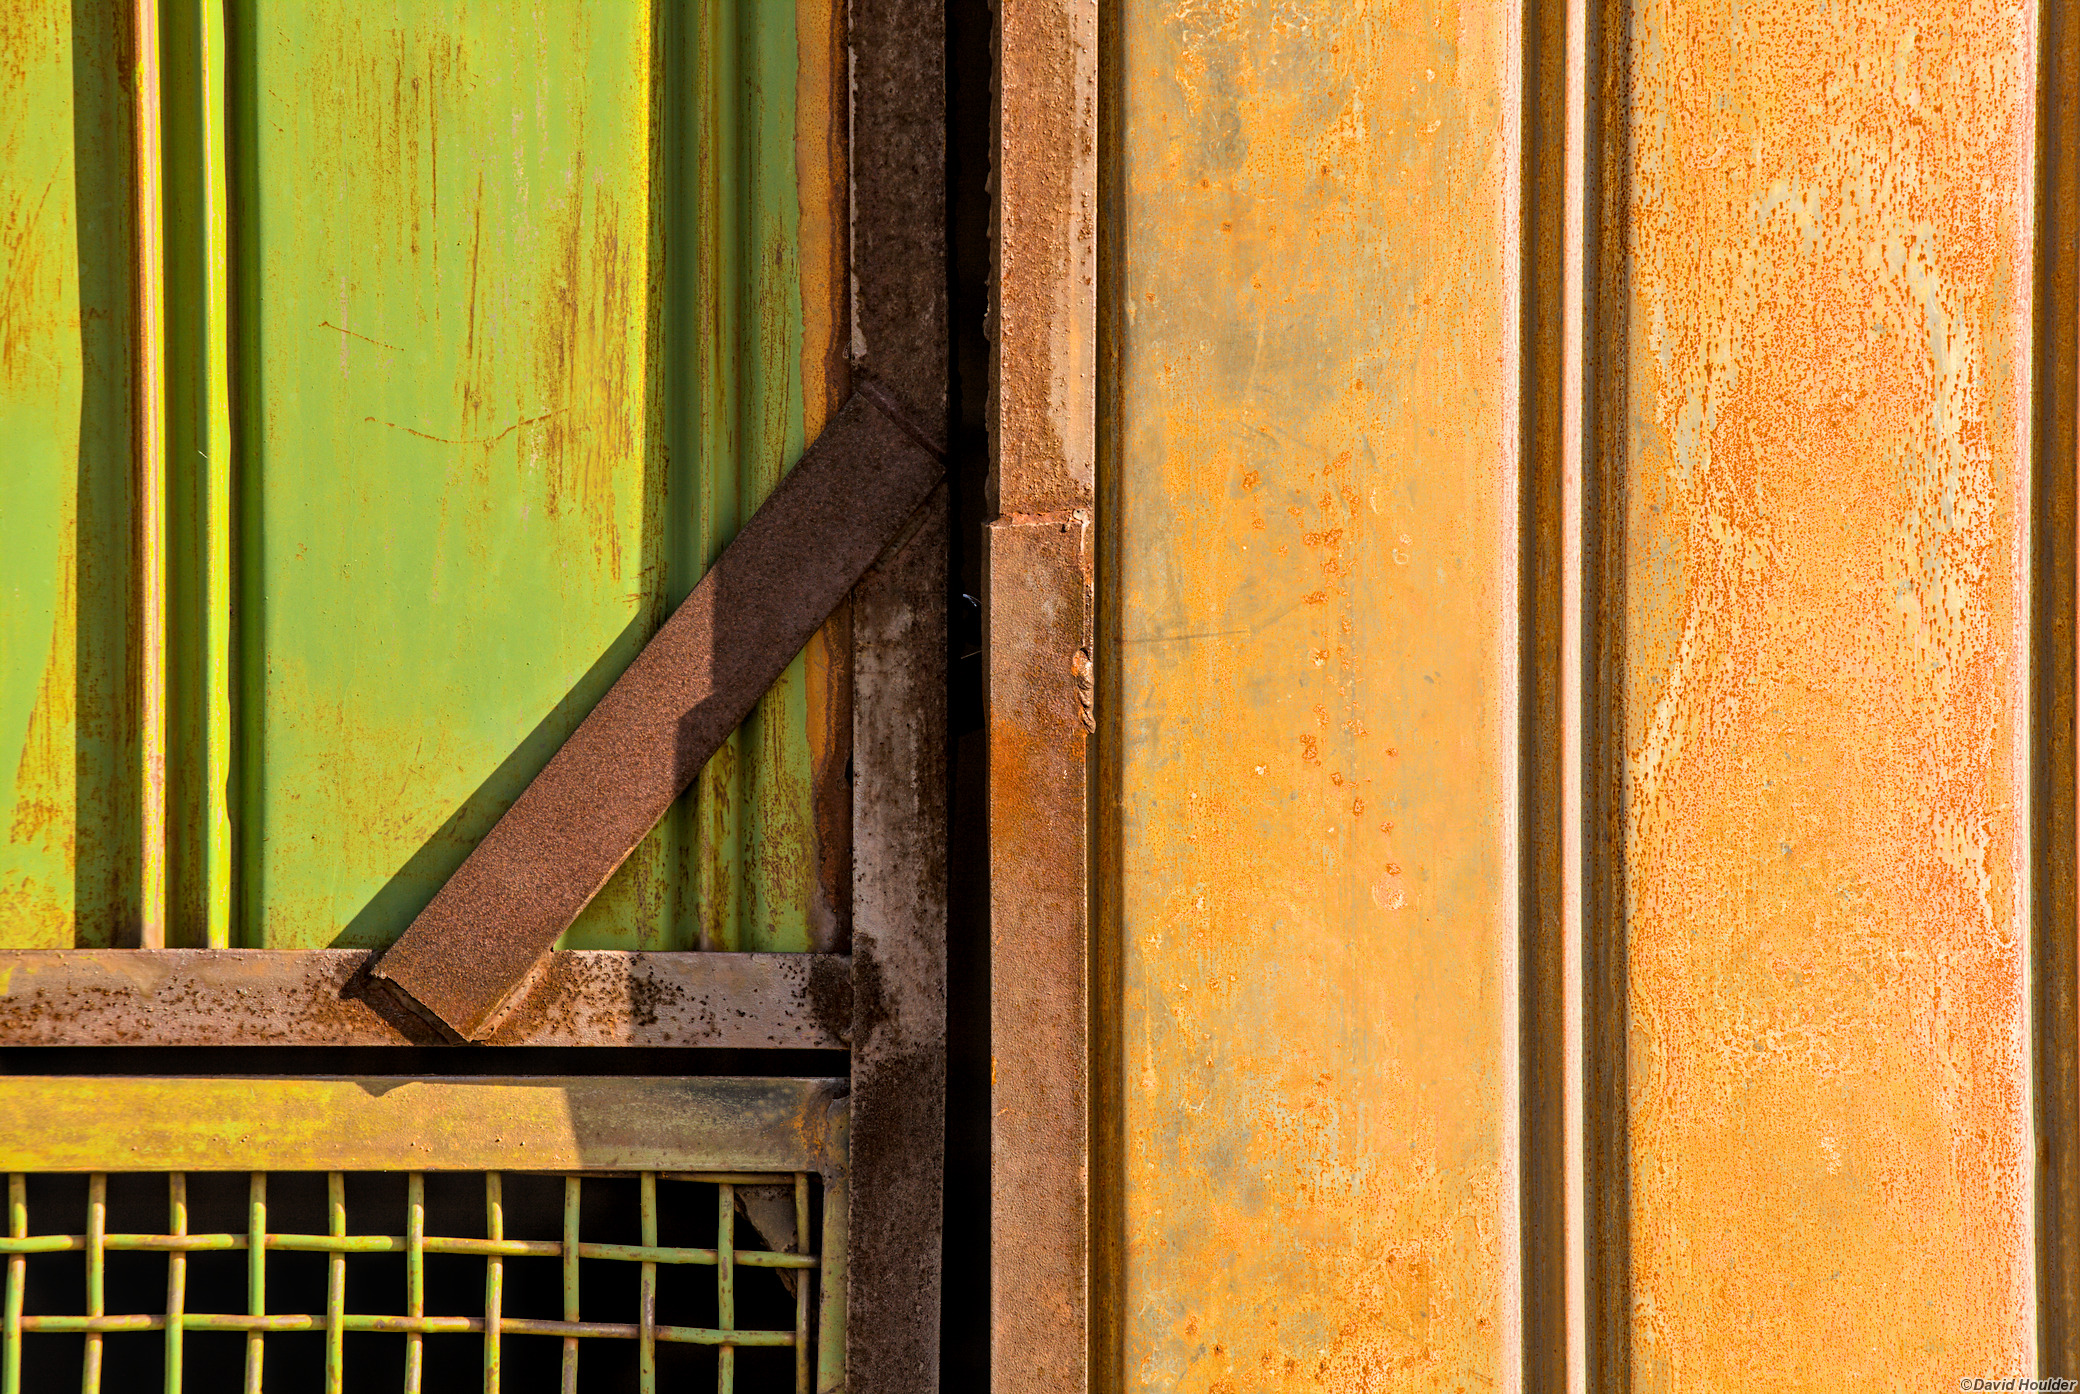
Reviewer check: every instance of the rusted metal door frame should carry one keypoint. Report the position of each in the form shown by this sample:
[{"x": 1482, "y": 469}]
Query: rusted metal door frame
[
  {"x": 1038, "y": 640},
  {"x": 885, "y": 1001}
]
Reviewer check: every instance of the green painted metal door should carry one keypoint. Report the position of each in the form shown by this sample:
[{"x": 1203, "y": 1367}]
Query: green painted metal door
[
  {"x": 345, "y": 474},
  {"x": 374, "y": 380}
]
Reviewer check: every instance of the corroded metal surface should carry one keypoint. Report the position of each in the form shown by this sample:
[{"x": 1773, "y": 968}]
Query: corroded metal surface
[
  {"x": 1827, "y": 213},
  {"x": 896, "y": 87},
  {"x": 315, "y": 997},
  {"x": 1044, "y": 293},
  {"x": 1316, "y": 640},
  {"x": 1037, "y": 603},
  {"x": 898, "y": 1026},
  {"x": 474, "y": 946},
  {"x": 387, "y": 1124},
  {"x": 1037, "y": 575},
  {"x": 895, "y": 95}
]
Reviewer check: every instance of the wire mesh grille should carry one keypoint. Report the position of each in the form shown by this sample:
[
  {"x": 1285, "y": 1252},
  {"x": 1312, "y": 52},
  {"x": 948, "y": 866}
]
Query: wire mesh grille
[{"x": 667, "y": 1205}]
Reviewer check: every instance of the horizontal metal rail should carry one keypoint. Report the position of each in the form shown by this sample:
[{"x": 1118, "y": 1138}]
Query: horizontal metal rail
[
  {"x": 274, "y": 997},
  {"x": 397, "y": 1244},
  {"x": 428, "y": 1326}
]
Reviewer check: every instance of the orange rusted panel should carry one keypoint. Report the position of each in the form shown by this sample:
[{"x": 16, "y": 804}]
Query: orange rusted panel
[
  {"x": 1827, "y": 207},
  {"x": 1316, "y": 599}
]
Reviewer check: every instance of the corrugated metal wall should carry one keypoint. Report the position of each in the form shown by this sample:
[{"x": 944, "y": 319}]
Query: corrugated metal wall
[
  {"x": 1580, "y": 597},
  {"x": 486, "y": 326}
]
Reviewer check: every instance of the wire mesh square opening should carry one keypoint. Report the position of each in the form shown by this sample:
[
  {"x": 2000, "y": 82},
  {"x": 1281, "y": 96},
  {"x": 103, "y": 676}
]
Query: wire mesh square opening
[{"x": 510, "y": 1281}]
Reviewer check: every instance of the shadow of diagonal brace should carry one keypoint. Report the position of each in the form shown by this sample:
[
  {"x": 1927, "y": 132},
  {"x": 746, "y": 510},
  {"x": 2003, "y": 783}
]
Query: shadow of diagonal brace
[{"x": 473, "y": 951}]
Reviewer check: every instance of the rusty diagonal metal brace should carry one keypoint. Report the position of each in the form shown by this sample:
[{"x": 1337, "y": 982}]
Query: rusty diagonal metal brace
[{"x": 474, "y": 950}]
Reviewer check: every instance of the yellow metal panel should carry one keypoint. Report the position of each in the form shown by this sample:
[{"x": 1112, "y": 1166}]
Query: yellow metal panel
[
  {"x": 1827, "y": 207},
  {"x": 391, "y": 1124},
  {"x": 1316, "y": 596}
]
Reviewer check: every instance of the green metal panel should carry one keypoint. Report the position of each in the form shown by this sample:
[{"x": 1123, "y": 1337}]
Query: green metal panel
[
  {"x": 69, "y": 789},
  {"x": 509, "y": 300}
]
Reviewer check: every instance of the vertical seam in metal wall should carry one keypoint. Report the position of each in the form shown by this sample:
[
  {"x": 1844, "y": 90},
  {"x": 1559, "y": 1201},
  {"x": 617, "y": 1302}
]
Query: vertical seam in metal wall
[
  {"x": 1600, "y": 892},
  {"x": 245, "y": 537},
  {"x": 151, "y": 470},
  {"x": 216, "y": 559},
  {"x": 1573, "y": 404},
  {"x": 2055, "y": 441},
  {"x": 1106, "y": 1373},
  {"x": 1541, "y": 961}
]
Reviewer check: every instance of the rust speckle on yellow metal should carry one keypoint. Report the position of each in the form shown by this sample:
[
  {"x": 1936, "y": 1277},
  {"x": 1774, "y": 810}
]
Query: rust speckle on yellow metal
[
  {"x": 1316, "y": 612},
  {"x": 1828, "y": 223}
]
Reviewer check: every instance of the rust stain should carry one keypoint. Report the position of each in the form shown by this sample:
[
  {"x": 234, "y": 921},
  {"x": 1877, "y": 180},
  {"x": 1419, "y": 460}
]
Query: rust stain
[
  {"x": 717, "y": 903},
  {"x": 1044, "y": 329},
  {"x": 44, "y": 800},
  {"x": 1829, "y": 228},
  {"x": 29, "y": 286},
  {"x": 820, "y": 178}
]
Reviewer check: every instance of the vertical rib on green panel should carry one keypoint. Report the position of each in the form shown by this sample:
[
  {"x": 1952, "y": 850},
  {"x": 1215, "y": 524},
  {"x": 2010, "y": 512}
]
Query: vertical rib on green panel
[
  {"x": 754, "y": 879},
  {"x": 779, "y": 828},
  {"x": 711, "y": 166},
  {"x": 216, "y": 463},
  {"x": 199, "y": 466}
]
